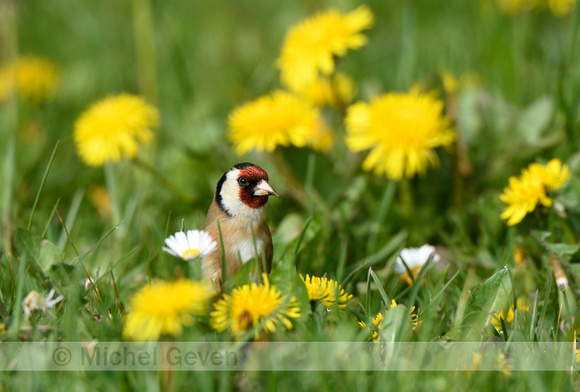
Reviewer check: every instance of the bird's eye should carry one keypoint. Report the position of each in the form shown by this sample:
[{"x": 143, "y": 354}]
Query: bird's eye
[{"x": 243, "y": 181}]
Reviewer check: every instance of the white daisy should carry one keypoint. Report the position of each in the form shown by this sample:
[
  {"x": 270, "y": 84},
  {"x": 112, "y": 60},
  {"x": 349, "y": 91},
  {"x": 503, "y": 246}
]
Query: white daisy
[
  {"x": 415, "y": 258},
  {"x": 36, "y": 302},
  {"x": 196, "y": 243}
]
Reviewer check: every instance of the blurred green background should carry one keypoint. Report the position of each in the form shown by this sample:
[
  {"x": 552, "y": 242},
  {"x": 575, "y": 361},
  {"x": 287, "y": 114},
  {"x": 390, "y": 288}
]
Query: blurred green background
[{"x": 517, "y": 101}]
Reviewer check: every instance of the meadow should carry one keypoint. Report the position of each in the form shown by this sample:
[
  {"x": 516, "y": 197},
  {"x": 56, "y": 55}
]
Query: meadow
[{"x": 385, "y": 127}]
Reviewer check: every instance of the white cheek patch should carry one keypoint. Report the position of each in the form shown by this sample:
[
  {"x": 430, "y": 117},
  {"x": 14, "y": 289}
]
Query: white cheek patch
[{"x": 231, "y": 199}]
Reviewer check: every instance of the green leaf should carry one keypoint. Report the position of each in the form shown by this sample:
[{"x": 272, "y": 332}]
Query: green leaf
[
  {"x": 574, "y": 331},
  {"x": 396, "y": 325},
  {"x": 49, "y": 254},
  {"x": 489, "y": 298},
  {"x": 43, "y": 253},
  {"x": 541, "y": 236},
  {"x": 564, "y": 249},
  {"x": 285, "y": 278},
  {"x": 28, "y": 242},
  {"x": 557, "y": 249},
  {"x": 64, "y": 273}
]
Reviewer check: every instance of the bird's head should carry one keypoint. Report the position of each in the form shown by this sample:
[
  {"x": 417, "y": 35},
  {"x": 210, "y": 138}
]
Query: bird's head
[{"x": 243, "y": 189}]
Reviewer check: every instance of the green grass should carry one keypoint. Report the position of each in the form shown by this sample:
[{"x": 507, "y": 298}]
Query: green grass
[{"x": 196, "y": 61}]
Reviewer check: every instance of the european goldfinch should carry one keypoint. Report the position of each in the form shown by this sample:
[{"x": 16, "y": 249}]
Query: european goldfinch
[{"x": 238, "y": 205}]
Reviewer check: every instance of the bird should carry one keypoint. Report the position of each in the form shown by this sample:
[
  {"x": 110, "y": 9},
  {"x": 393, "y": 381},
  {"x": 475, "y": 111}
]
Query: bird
[{"x": 236, "y": 218}]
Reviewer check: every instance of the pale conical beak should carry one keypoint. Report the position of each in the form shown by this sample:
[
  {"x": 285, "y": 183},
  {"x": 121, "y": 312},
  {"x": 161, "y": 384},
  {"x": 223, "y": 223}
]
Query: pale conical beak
[{"x": 264, "y": 189}]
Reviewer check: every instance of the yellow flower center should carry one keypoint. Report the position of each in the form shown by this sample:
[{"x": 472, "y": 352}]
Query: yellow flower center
[
  {"x": 190, "y": 253},
  {"x": 251, "y": 304},
  {"x": 405, "y": 278},
  {"x": 415, "y": 121},
  {"x": 245, "y": 321}
]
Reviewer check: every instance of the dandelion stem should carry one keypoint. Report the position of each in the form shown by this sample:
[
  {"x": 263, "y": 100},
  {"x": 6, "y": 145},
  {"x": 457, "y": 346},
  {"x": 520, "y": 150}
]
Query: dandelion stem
[
  {"x": 145, "y": 49},
  {"x": 7, "y": 186},
  {"x": 462, "y": 169},
  {"x": 112, "y": 187},
  {"x": 166, "y": 377},
  {"x": 407, "y": 196},
  {"x": 567, "y": 231},
  {"x": 9, "y": 128},
  {"x": 386, "y": 202}
]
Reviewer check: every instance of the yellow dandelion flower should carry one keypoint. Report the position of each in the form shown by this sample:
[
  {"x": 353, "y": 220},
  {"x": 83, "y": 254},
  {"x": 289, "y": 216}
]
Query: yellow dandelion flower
[
  {"x": 450, "y": 83},
  {"x": 577, "y": 355},
  {"x": 508, "y": 314},
  {"x": 476, "y": 362},
  {"x": 453, "y": 85},
  {"x": 35, "y": 78},
  {"x": 277, "y": 119},
  {"x": 556, "y": 7},
  {"x": 520, "y": 256},
  {"x": 377, "y": 321},
  {"x": 310, "y": 47},
  {"x": 164, "y": 308},
  {"x": 402, "y": 131},
  {"x": 100, "y": 199},
  {"x": 248, "y": 306},
  {"x": 336, "y": 90},
  {"x": 324, "y": 290},
  {"x": 504, "y": 364},
  {"x": 531, "y": 188},
  {"x": 113, "y": 128},
  {"x": 561, "y": 7},
  {"x": 522, "y": 196},
  {"x": 512, "y": 7},
  {"x": 554, "y": 175}
]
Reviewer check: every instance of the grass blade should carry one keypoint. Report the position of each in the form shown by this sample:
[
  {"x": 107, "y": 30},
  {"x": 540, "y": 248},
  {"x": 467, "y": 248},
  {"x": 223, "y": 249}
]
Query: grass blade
[
  {"x": 44, "y": 177},
  {"x": 382, "y": 292},
  {"x": 440, "y": 292},
  {"x": 54, "y": 207},
  {"x": 416, "y": 286},
  {"x": 71, "y": 217},
  {"x": 533, "y": 318},
  {"x": 302, "y": 233},
  {"x": 222, "y": 248},
  {"x": 99, "y": 242},
  {"x": 546, "y": 297},
  {"x": 381, "y": 255}
]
